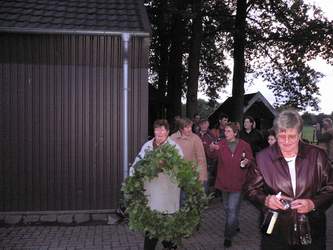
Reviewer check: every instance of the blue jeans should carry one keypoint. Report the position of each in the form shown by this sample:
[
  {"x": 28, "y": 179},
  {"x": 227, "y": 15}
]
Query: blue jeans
[{"x": 231, "y": 205}]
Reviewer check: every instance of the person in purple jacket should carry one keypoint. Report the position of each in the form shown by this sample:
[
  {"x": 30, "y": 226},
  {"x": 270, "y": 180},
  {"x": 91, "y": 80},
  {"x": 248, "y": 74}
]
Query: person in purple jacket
[
  {"x": 295, "y": 174},
  {"x": 234, "y": 157}
]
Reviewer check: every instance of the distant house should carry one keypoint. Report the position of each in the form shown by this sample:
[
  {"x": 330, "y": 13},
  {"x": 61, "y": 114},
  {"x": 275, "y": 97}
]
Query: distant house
[
  {"x": 73, "y": 101},
  {"x": 255, "y": 105}
]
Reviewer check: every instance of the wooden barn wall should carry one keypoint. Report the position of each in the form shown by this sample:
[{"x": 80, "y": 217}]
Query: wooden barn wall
[
  {"x": 138, "y": 95},
  {"x": 61, "y": 120}
]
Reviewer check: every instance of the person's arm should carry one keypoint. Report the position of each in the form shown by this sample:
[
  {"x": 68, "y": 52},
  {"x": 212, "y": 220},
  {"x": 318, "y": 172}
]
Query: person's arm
[
  {"x": 200, "y": 158},
  {"x": 324, "y": 197},
  {"x": 249, "y": 160},
  {"x": 254, "y": 186},
  {"x": 146, "y": 147},
  {"x": 254, "y": 191},
  {"x": 249, "y": 152},
  {"x": 140, "y": 155},
  {"x": 213, "y": 149}
]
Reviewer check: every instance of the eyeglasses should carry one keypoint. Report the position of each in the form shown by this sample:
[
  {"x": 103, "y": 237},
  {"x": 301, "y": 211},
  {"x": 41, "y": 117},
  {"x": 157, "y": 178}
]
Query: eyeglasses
[{"x": 285, "y": 137}]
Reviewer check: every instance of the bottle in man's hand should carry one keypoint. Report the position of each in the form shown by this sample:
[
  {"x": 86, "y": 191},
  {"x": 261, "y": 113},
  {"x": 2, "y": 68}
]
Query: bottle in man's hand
[{"x": 242, "y": 163}]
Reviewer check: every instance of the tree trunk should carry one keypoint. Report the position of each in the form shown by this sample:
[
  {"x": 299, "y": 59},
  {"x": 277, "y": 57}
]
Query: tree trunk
[
  {"x": 194, "y": 61},
  {"x": 176, "y": 67},
  {"x": 157, "y": 93},
  {"x": 239, "y": 63},
  {"x": 163, "y": 50}
]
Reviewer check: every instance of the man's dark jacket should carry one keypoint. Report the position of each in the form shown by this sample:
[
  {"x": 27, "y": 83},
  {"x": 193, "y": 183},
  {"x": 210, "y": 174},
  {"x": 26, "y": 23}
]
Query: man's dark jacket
[{"x": 314, "y": 180}]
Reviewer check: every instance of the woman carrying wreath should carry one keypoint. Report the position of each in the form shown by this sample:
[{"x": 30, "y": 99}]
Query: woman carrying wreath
[{"x": 161, "y": 132}]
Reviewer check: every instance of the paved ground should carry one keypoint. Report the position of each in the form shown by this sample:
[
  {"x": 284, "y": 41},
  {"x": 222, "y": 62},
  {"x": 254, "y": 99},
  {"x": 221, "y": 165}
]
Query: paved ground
[{"x": 210, "y": 235}]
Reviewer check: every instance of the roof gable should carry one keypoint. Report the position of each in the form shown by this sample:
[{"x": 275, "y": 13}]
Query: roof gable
[
  {"x": 251, "y": 101},
  {"x": 74, "y": 16},
  {"x": 258, "y": 97}
]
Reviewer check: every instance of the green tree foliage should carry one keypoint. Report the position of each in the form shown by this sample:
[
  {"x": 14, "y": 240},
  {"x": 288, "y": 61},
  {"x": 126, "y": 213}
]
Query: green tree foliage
[
  {"x": 283, "y": 36},
  {"x": 204, "y": 109},
  {"x": 215, "y": 46},
  {"x": 309, "y": 119},
  {"x": 272, "y": 39},
  {"x": 173, "y": 26}
]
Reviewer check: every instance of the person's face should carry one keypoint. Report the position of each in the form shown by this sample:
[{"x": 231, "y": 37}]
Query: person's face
[
  {"x": 230, "y": 135},
  {"x": 204, "y": 126},
  {"x": 160, "y": 134},
  {"x": 271, "y": 140},
  {"x": 223, "y": 122},
  {"x": 187, "y": 130},
  {"x": 288, "y": 141},
  {"x": 247, "y": 124}
]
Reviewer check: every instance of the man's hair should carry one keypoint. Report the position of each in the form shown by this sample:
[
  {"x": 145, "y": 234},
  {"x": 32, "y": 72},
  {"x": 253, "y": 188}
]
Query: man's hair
[
  {"x": 234, "y": 126},
  {"x": 183, "y": 122},
  {"x": 223, "y": 115},
  {"x": 288, "y": 118},
  {"x": 161, "y": 123}
]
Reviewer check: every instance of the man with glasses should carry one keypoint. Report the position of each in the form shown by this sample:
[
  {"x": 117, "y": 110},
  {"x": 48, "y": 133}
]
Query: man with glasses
[{"x": 298, "y": 174}]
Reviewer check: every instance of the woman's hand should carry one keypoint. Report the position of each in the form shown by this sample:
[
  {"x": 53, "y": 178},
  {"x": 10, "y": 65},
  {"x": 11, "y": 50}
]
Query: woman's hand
[
  {"x": 303, "y": 206},
  {"x": 244, "y": 162},
  {"x": 274, "y": 202}
]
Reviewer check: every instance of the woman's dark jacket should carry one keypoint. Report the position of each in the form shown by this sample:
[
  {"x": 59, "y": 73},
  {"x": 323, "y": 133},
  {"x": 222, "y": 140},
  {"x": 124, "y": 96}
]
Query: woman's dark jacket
[
  {"x": 255, "y": 139},
  {"x": 230, "y": 176},
  {"x": 314, "y": 180}
]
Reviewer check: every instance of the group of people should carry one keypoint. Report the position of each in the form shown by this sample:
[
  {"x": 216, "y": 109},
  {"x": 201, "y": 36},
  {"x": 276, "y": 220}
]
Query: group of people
[{"x": 287, "y": 171}]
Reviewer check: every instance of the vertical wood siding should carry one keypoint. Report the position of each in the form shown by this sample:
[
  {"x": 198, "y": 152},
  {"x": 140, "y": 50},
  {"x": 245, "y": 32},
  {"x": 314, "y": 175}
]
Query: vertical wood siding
[{"x": 61, "y": 120}]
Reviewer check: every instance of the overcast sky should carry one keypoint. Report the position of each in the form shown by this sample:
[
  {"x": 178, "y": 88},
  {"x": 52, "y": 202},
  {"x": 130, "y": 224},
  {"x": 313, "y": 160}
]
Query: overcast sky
[{"x": 325, "y": 84}]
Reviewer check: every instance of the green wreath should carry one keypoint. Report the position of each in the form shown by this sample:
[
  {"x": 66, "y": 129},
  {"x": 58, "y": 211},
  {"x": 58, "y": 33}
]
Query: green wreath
[{"x": 171, "y": 227}]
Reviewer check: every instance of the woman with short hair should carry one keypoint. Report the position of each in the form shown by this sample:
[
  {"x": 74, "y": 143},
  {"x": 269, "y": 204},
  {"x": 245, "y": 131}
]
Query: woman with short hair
[
  {"x": 161, "y": 137},
  {"x": 298, "y": 174},
  {"x": 233, "y": 159}
]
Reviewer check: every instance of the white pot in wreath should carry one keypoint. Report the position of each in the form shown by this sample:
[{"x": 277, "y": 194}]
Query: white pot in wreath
[{"x": 163, "y": 195}]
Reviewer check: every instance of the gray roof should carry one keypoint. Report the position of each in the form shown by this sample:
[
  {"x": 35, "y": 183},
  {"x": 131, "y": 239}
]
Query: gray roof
[
  {"x": 74, "y": 16},
  {"x": 249, "y": 101}
]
